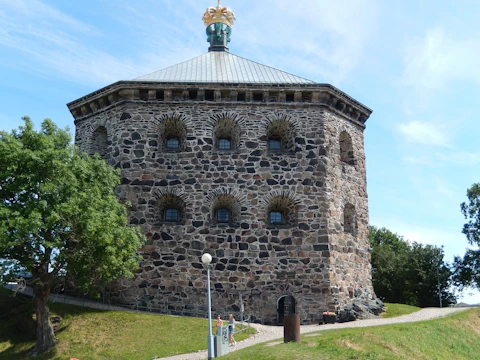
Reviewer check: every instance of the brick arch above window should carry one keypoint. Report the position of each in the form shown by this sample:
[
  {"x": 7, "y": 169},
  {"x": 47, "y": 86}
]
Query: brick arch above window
[
  {"x": 280, "y": 208},
  {"x": 172, "y": 132},
  {"x": 225, "y": 202},
  {"x": 170, "y": 206},
  {"x": 280, "y": 133},
  {"x": 226, "y": 128}
]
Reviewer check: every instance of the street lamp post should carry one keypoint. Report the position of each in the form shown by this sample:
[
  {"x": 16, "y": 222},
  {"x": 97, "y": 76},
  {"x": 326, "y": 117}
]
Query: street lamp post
[
  {"x": 207, "y": 259},
  {"x": 438, "y": 286}
]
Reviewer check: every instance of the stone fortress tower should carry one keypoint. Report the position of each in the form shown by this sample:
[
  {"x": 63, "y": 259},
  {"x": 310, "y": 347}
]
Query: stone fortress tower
[{"x": 262, "y": 169}]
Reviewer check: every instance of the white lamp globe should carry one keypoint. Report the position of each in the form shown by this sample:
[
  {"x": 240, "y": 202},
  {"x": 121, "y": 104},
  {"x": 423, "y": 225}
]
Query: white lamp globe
[{"x": 206, "y": 258}]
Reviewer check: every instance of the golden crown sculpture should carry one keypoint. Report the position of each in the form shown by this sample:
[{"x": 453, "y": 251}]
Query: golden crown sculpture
[{"x": 219, "y": 14}]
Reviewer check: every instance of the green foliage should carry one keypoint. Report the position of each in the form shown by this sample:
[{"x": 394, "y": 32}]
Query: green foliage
[
  {"x": 58, "y": 211},
  {"x": 454, "y": 337},
  {"x": 408, "y": 273},
  {"x": 467, "y": 269}
]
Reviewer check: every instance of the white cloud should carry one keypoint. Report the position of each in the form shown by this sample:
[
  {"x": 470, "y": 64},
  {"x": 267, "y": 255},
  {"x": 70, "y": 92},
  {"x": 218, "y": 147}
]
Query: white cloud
[
  {"x": 470, "y": 296},
  {"x": 55, "y": 47},
  {"x": 460, "y": 158},
  {"x": 425, "y": 133},
  {"x": 322, "y": 38},
  {"x": 442, "y": 56},
  {"x": 34, "y": 9}
]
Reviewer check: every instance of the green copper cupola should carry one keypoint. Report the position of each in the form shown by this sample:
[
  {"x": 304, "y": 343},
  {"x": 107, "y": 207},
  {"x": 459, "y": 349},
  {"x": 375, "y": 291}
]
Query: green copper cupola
[{"x": 219, "y": 21}]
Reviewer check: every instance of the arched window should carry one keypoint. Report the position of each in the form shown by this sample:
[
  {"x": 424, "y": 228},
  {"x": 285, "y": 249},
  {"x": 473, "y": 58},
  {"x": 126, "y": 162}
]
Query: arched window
[
  {"x": 172, "y": 132},
  {"x": 346, "y": 148},
  {"x": 276, "y": 217},
  {"x": 169, "y": 208},
  {"x": 349, "y": 220},
  {"x": 280, "y": 210},
  {"x": 223, "y": 215},
  {"x": 280, "y": 133},
  {"x": 171, "y": 215},
  {"x": 224, "y": 144},
  {"x": 99, "y": 142},
  {"x": 225, "y": 207},
  {"x": 226, "y": 131},
  {"x": 173, "y": 143}
]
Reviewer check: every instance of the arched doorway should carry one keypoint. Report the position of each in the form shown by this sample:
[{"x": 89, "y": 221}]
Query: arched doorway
[{"x": 285, "y": 307}]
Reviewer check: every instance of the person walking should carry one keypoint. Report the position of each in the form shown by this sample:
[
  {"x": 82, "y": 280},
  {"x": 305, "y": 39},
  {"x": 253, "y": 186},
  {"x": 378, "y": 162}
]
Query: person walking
[{"x": 231, "y": 329}]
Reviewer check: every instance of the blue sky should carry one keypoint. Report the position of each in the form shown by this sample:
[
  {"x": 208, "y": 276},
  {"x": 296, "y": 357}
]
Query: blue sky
[{"x": 415, "y": 63}]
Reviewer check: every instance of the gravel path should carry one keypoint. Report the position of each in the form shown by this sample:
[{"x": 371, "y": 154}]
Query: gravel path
[{"x": 269, "y": 333}]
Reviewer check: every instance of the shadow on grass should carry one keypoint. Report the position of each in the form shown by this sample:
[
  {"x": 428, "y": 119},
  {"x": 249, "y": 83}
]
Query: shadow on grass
[{"x": 17, "y": 324}]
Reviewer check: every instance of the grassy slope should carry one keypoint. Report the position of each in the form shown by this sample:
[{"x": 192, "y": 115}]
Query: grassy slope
[
  {"x": 393, "y": 310},
  {"x": 91, "y": 334},
  {"x": 454, "y": 337}
]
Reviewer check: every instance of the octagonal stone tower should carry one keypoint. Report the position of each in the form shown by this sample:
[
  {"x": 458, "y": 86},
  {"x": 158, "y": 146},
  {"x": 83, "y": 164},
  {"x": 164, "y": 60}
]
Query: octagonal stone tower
[{"x": 262, "y": 169}]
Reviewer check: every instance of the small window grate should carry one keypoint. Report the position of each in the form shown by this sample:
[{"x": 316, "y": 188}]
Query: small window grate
[
  {"x": 276, "y": 217},
  {"x": 274, "y": 143},
  {"x": 223, "y": 215},
  {"x": 224, "y": 144},
  {"x": 171, "y": 215},
  {"x": 173, "y": 143}
]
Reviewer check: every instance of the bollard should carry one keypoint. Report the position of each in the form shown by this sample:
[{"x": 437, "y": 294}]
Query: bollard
[
  {"x": 291, "y": 328},
  {"x": 221, "y": 341}
]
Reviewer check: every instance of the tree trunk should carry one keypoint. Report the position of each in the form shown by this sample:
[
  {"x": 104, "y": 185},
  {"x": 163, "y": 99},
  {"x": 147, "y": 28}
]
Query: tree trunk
[{"x": 45, "y": 335}]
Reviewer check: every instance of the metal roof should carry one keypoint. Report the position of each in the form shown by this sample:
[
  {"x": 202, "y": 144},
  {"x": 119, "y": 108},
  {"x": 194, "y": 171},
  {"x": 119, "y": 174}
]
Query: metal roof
[{"x": 223, "y": 67}]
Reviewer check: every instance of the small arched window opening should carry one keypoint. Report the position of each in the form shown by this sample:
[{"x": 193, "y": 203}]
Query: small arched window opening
[
  {"x": 349, "y": 220},
  {"x": 226, "y": 131},
  {"x": 280, "y": 133},
  {"x": 169, "y": 208},
  {"x": 173, "y": 143},
  {"x": 346, "y": 148},
  {"x": 172, "y": 132},
  {"x": 276, "y": 218},
  {"x": 171, "y": 215},
  {"x": 224, "y": 144},
  {"x": 281, "y": 211},
  {"x": 223, "y": 215},
  {"x": 99, "y": 142}
]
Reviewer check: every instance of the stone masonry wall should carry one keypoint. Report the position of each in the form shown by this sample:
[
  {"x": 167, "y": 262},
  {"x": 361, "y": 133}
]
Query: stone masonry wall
[{"x": 310, "y": 258}]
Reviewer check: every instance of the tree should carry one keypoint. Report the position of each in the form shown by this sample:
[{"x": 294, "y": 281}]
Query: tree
[
  {"x": 389, "y": 264},
  {"x": 408, "y": 273},
  {"x": 467, "y": 269},
  {"x": 59, "y": 215}
]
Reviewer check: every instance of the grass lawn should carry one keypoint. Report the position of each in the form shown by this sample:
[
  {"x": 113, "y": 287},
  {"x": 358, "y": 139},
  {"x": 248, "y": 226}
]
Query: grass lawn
[
  {"x": 393, "y": 310},
  {"x": 454, "y": 337},
  {"x": 93, "y": 334}
]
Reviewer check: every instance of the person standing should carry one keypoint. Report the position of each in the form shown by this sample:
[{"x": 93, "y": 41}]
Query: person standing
[
  {"x": 219, "y": 322},
  {"x": 231, "y": 329}
]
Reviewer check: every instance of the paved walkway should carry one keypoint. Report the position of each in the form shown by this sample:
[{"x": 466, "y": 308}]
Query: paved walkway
[{"x": 269, "y": 333}]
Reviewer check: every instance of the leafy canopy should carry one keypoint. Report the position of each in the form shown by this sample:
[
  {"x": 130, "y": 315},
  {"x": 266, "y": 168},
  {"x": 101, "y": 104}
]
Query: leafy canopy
[
  {"x": 408, "y": 273},
  {"x": 467, "y": 269},
  {"x": 58, "y": 209}
]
